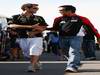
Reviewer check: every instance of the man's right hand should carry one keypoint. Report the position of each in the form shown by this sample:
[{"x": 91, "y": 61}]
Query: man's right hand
[
  {"x": 35, "y": 25},
  {"x": 98, "y": 41}
]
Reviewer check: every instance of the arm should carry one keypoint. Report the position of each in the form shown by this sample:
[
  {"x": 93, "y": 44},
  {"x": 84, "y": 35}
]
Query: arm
[
  {"x": 15, "y": 23},
  {"x": 22, "y": 26},
  {"x": 39, "y": 28},
  {"x": 88, "y": 23},
  {"x": 36, "y": 30},
  {"x": 19, "y": 26}
]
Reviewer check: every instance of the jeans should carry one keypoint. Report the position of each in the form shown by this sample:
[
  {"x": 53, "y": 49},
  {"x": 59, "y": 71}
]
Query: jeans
[
  {"x": 89, "y": 47},
  {"x": 72, "y": 46}
]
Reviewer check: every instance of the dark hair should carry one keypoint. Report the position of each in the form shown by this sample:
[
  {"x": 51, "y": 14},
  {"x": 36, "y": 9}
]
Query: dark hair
[
  {"x": 28, "y": 5},
  {"x": 69, "y": 8}
]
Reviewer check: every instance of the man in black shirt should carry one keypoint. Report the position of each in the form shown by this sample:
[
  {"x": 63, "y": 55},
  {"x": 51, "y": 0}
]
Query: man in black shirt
[{"x": 29, "y": 28}]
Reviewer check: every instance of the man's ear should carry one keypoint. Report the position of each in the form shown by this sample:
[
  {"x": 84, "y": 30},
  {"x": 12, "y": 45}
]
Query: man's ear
[{"x": 26, "y": 8}]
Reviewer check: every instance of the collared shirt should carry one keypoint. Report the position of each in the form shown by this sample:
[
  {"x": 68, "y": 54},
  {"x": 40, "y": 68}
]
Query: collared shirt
[{"x": 23, "y": 20}]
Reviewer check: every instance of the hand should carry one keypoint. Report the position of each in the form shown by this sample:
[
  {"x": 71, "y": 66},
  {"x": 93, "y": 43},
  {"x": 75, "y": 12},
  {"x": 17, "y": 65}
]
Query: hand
[
  {"x": 36, "y": 25},
  {"x": 98, "y": 41},
  {"x": 40, "y": 28}
]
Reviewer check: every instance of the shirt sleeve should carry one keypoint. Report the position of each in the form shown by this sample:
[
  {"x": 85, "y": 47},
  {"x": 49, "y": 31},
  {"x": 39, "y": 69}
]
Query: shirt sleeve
[
  {"x": 15, "y": 19},
  {"x": 87, "y": 22},
  {"x": 42, "y": 21},
  {"x": 56, "y": 23}
]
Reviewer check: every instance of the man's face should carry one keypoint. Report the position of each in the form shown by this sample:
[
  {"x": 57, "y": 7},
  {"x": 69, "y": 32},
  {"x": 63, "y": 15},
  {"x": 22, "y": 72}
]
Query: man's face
[
  {"x": 33, "y": 9},
  {"x": 64, "y": 12}
]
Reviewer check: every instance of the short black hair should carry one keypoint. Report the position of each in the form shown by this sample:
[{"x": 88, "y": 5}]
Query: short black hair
[{"x": 69, "y": 8}]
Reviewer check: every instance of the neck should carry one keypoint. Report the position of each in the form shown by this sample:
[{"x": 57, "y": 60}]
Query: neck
[
  {"x": 72, "y": 14},
  {"x": 28, "y": 14}
]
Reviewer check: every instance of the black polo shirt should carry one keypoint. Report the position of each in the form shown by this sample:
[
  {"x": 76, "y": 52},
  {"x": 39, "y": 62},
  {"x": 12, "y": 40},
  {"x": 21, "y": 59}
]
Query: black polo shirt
[{"x": 23, "y": 20}]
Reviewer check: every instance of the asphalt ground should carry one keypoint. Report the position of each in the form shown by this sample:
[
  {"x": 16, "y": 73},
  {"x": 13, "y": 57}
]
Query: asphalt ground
[{"x": 48, "y": 68}]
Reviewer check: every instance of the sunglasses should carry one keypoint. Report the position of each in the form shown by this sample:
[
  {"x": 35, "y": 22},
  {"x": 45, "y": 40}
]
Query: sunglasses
[{"x": 35, "y": 8}]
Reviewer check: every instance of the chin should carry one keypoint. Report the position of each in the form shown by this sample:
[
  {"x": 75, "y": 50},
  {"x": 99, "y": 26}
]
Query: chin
[{"x": 34, "y": 12}]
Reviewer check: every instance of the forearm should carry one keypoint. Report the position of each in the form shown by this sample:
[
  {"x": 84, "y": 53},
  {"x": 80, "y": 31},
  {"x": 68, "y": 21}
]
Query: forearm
[
  {"x": 19, "y": 26},
  {"x": 23, "y": 26}
]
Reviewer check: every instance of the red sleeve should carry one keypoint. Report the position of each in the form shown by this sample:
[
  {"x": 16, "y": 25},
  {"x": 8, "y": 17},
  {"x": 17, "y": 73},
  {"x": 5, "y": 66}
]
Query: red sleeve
[
  {"x": 56, "y": 23},
  {"x": 88, "y": 23}
]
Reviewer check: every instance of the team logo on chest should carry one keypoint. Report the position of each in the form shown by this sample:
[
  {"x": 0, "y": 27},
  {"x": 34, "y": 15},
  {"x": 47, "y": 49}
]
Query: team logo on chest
[
  {"x": 74, "y": 19},
  {"x": 62, "y": 22}
]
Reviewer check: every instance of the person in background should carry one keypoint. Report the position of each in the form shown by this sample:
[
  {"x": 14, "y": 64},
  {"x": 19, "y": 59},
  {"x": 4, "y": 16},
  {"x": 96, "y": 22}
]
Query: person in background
[
  {"x": 4, "y": 39},
  {"x": 54, "y": 43},
  {"x": 14, "y": 47},
  {"x": 29, "y": 28},
  {"x": 89, "y": 45}
]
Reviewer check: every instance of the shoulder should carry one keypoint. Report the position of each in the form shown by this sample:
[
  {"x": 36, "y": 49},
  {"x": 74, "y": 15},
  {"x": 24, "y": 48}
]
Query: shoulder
[
  {"x": 58, "y": 19},
  {"x": 16, "y": 16},
  {"x": 39, "y": 17},
  {"x": 41, "y": 20},
  {"x": 84, "y": 19}
]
